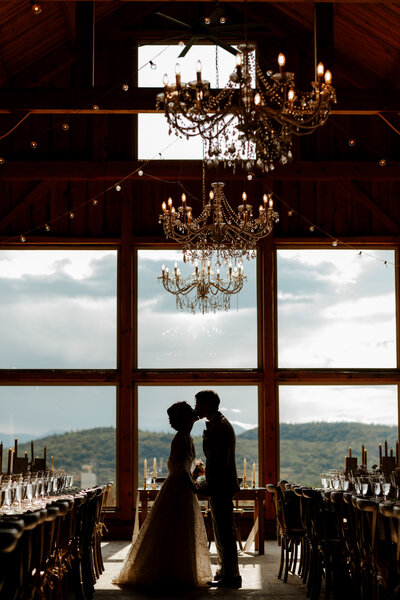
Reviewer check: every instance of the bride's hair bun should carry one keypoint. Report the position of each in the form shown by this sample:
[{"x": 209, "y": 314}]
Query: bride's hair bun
[{"x": 180, "y": 413}]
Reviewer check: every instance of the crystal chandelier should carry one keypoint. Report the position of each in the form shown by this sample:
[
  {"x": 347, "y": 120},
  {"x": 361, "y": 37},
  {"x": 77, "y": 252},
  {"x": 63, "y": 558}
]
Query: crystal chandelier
[
  {"x": 231, "y": 235},
  {"x": 204, "y": 290},
  {"x": 245, "y": 125}
]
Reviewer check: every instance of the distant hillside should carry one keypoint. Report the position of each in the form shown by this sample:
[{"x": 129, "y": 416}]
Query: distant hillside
[{"x": 307, "y": 449}]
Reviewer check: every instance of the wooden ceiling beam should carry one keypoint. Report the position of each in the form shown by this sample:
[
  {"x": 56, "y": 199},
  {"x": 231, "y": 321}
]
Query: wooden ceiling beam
[
  {"x": 35, "y": 194},
  {"x": 136, "y": 100},
  {"x": 169, "y": 170},
  {"x": 358, "y": 194}
]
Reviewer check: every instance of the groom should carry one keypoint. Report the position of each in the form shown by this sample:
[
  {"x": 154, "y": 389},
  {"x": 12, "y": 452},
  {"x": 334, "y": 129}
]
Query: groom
[{"x": 220, "y": 485}]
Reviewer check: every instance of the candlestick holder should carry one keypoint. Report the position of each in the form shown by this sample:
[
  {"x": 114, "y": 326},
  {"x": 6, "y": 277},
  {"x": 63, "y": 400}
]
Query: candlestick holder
[
  {"x": 350, "y": 464},
  {"x": 154, "y": 484},
  {"x": 144, "y": 483},
  {"x": 245, "y": 484},
  {"x": 388, "y": 464},
  {"x": 253, "y": 484}
]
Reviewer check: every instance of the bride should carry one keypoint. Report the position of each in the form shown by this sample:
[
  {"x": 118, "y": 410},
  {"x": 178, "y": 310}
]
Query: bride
[{"x": 171, "y": 548}]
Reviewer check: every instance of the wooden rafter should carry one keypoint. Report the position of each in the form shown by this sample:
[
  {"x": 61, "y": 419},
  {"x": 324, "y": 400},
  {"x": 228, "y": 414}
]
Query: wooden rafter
[
  {"x": 360, "y": 196},
  {"x": 35, "y": 194}
]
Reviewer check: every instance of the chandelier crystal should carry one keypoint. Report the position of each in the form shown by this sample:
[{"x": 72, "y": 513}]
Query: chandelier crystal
[
  {"x": 245, "y": 125},
  {"x": 204, "y": 290},
  {"x": 231, "y": 235}
]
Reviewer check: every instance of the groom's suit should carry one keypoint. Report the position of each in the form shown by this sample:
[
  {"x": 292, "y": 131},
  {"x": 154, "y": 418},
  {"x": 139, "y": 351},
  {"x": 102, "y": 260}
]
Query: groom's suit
[{"x": 221, "y": 484}]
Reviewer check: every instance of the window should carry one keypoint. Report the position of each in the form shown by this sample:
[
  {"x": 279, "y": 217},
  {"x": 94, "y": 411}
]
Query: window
[
  {"x": 238, "y": 403},
  {"x": 336, "y": 309},
  {"x": 319, "y": 423},
  {"x": 58, "y": 309},
  {"x": 77, "y": 424},
  {"x": 169, "y": 339}
]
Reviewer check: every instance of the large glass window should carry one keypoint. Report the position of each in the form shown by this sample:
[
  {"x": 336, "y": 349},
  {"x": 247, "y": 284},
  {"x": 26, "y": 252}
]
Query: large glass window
[
  {"x": 58, "y": 309},
  {"x": 168, "y": 338},
  {"x": 238, "y": 403},
  {"x": 336, "y": 309},
  {"x": 318, "y": 424},
  {"x": 76, "y": 424}
]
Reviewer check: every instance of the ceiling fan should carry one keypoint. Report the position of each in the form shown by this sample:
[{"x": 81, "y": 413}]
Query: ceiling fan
[{"x": 205, "y": 28}]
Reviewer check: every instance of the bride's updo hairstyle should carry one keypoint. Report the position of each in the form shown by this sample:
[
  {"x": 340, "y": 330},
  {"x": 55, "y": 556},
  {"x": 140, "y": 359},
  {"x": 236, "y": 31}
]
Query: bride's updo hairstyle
[{"x": 180, "y": 414}]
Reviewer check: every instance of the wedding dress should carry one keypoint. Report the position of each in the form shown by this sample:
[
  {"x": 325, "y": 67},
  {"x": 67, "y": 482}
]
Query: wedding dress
[{"x": 171, "y": 548}]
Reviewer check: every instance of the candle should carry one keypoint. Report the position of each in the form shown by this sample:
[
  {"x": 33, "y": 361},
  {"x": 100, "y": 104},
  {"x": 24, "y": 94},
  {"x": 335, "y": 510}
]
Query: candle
[
  {"x": 45, "y": 456},
  {"x": 32, "y": 456},
  {"x": 391, "y": 451},
  {"x": 145, "y": 468},
  {"x": 365, "y": 457},
  {"x": 362, "y": 454},
  {"x": 254, "y": 474},
  {"x": 155, "y": 467},
  {"x": 244, "y": 470},
  {"x": 386, "y": 448},
  {"x": 51, "y": 464},
  {"x": 380, "y": 454},
  {"x": 16, "y": 446},
  {"x": 26, "y": 454},
  {"x": 1, "y": 457},
  {"x": 9, "y": 461},
  {"x": 350, "y": 452},
  {"x": 397, "y": 453}
]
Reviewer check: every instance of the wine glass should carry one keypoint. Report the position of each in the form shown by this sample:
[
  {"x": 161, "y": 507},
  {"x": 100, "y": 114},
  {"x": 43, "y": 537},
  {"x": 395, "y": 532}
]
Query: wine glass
[{"x": 386, "y": 485}]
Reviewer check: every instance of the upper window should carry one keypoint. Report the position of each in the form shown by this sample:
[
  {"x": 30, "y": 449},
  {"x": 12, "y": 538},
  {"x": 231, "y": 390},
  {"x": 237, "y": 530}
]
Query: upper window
[
  {"x": 169, "y": 338},
  {"x": 58, "y": 309},
  {"x": 154, "y": 141},
  {"x": 336, "y": 309}
]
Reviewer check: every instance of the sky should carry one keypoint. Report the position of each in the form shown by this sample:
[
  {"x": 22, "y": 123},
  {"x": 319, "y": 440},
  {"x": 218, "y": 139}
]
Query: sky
[{"x": 335, "y": 309}]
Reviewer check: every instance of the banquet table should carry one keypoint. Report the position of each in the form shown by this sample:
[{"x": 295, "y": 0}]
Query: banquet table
[{"x": 254, "y": 495}]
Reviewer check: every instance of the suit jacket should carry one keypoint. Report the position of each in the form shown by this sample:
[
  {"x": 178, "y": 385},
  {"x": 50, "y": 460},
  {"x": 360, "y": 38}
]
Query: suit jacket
[{"x": 219, "y": 443}]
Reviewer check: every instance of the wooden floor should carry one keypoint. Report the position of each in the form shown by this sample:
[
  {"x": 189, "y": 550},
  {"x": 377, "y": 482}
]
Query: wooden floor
[{"x": 259, "y": 575}]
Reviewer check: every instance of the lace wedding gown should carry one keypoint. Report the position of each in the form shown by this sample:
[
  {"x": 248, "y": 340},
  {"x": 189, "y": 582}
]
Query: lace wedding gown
[{"x": 171, "y": 548}]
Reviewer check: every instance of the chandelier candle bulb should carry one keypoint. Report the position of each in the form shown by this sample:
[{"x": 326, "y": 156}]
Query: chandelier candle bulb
[
  {"x": 328, "y": 77},
  {"x": 178, "y": 75},
  {"x": 239, "y": 62},
  {"x": 320, "y": 71},
  {"x": 165, "y": 80},
  {"x": 164, "y": 207},
  {"x": 198, "y": 71}
]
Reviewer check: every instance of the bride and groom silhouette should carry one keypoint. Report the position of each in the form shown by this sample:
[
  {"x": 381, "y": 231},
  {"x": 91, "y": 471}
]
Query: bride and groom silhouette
[{"x": 171, "y": 548}]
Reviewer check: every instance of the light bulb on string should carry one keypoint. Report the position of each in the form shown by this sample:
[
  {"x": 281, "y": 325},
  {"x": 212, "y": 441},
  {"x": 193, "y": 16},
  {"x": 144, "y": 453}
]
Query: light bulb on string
[
  {"x": 2, "y": 160},
  {"x": 95, "y": 201},
  {"x": 290, "y": 212},
  {"x": 153, "y": 65},
  {"x": 95, "y": 107},
  {"x": 47, "y": 227},
  {"x": 125, "y": 87},
  {"x": 118, "y": 188},
  {"x": 71, "y": 215},
  {"x": 222, "y": 20},
  {"x": 34, "y": 144},
  {"x": 351, "y": 142},
  {"x": 140, "y": 173},
  {"x": 36, "y": 8},
  {"x": 22, "y": 238},
  {"x": 311, "y": 228},
  {"x": 65, "y": 126},
  {"x": 334, "y": 243},
  {"x": 207, "y": 20},
  {"x": 382, "y": 162}
]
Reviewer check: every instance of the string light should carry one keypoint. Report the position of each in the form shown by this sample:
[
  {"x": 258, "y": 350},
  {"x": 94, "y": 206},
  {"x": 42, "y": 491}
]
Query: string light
[
  {"x": 207, "y": 20},
  {"x": 290, "y": 212},
  {"x": 222, "y": 20},
  {"x": 95, "y": 201},
  {"x": 71, "y": 215},
  {"x": 22, "y": 238},
  {"x": 2, "y": 160},
  {"x": 140, "y": 173},
  {"x": 311, "y": 228},
  {"x": 382, "y": 162},
  {"x": 153, "y": 65},
  {"x": 36, "y": 8},
  {"x": 95, "y": 107},
  {"x": 47, "y": 227},
  {"x": 118, "y": 187},
  {"x": 351, "y": 142},
  {"x": 125, "y": 87},
  {"x": 34, "y": 144},
  {"x": 335, "y": 243},
  {"x": 65, "y": 126}
]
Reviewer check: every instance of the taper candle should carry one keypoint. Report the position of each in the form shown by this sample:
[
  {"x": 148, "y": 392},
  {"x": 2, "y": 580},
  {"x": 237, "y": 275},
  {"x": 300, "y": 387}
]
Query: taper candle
[
  {"x": 155, "y": 467},
  {"x": 397, "y": 453},
  {"x": 32, "y": 456},
  {"x": 350, "y": 452},
  {"x": 9, "y": 461},
  {"x": 380, "y": 454},
  {"x": 386, "y": 448},
  {"x": 254, "y": 475},
  {"x": 145, "y": 468},
  {"x": 365, "y": 456},
  {"x": 16, "y": 446},
  {"x": 51, "y": 463},
  {"x": 244, "y": 469}
]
